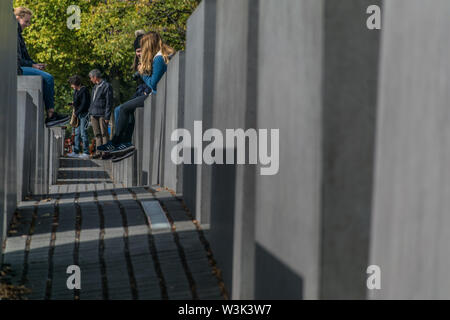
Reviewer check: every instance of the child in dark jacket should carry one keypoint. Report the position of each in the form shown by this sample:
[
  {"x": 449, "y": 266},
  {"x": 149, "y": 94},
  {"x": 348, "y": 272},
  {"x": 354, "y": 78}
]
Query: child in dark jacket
[{"x": 81, "y": 104}]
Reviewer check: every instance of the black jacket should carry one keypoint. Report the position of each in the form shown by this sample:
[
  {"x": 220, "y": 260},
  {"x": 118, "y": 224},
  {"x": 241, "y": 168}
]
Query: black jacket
[
  {"x": 141, "y": 90},
  {"x": 81, "y": 101},
  {"x": 23, "y": 57},
  {"x": 102, "y": 100}
]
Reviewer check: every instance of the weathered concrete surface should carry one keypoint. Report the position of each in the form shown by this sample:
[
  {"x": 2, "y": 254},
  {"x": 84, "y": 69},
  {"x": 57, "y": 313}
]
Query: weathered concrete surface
[
  {"x": 287, "y": 205},
  {"x": 26, "y": 146},
  {"x": 55, "y": 152},
  {"x": 33, "y": 85},
  {"x": 410, "y": 234},
  {"x": 47, "y": 156},
  {"x": 231, "y": 194},
  {"x": 125, "y": 172},
  {"x": 331, "y": 111},
  {"x": 148, "y": 140},
  {"x": 8, "y": 92},
  {"x": 129, "y": 172},
  {"x": 200, "y": 56},
  {"x": 348, "y": 120},
  {"x": 138, "y": 138},
  {"x": 158, "y": 125},
  {"x": 173, "y": 174}
]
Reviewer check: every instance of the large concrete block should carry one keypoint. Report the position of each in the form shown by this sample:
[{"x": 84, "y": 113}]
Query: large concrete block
[
  {"x": 53, "y": 165},
  {"x": 10, "y": 148},
  {"x": 289, "y": 96},
  {"x": 138, "y": 138},
  {"x": 230, "y": 190},
  {"x": 115, "y": 172},
  {"x": 8, "y": 126},
  {"x": 410, "y": 234},
  {"x": 128, "y": 172},
  {"x": 200, "y": 48},
  {"x": 173, "y": 174},
  {"x": 158, "y": 125},
  {"x": 33, "y": 86},
  {"x": 124, "y": 172},
  {"x": 55, "y": 152},
  {"x": 26, "y": 147},
  {"x": 325, "y": 110},
  {"x": 348, "y": 119},
  {"x": 47, "y": 156},
  {"x": 148, "y": 139}
]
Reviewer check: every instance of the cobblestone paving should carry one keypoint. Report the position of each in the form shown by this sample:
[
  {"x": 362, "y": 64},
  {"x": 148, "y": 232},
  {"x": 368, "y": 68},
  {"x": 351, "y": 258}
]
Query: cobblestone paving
[{"x": 104, "y": 229}]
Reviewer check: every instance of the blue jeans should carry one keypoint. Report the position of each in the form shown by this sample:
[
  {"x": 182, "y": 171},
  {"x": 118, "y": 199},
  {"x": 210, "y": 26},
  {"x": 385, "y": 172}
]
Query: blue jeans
[
  {"x": 49, "y": 85},
  {"x": 82, "y": 134},
  {"x": 116, "y": 116}
]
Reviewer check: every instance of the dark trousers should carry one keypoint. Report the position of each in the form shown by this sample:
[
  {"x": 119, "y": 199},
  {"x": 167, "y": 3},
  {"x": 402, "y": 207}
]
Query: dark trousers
[
  {"x": 127, "y": 109},
  {"x": 128, "y": 136}
]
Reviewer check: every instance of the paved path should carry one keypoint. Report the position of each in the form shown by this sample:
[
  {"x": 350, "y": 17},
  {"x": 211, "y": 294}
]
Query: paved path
[{"x": 137, "y": 243}]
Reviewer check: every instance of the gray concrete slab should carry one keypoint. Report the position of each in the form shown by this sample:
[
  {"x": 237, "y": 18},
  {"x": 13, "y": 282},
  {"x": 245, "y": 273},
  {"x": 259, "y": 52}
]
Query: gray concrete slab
[
  {"x": 8, "y": 91},
  {"x": 159, "y": 132},
  {"x": 33, "y": 85},
  {"x": 199, "y": 88},
  {"x": 287, "y": 217},
  {"x": 26, "y": 154},
  {"x": 138, "y": 139},
  {"x": 173, "y": 174},
  {"x": 409, "y": 234},
  {"x": 148, "y": 140},
  {"x": 348, "y": 119},
  {"x": 232, "y": 235},
  {"x": 156, "y": 215}
]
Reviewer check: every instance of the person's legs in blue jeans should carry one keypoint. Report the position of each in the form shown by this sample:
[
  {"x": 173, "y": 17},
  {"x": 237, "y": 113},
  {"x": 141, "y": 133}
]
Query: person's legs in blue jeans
[
  {"x": 116, "y": 116},
  {"x": 49, "y": 86},
  {"x": 81, "y": 134},
  {"x": 84, "y": 123},
  {"x": 76, "y": 147},
  {"x": 126, "y": 111}
]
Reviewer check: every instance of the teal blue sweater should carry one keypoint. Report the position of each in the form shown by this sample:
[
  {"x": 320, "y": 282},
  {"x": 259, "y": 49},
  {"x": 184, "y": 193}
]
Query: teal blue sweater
[{"x": 158, "y": 69}]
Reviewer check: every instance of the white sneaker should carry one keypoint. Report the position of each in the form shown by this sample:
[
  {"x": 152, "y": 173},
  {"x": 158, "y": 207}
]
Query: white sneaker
[
  {"x": 72, "y": 155},
  {"x": 84, "y": 156}
]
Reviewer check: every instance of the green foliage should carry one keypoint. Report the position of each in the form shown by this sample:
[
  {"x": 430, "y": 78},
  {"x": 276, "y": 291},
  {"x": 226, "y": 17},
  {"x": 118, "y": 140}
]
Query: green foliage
[{"x": 104, "y": 41}]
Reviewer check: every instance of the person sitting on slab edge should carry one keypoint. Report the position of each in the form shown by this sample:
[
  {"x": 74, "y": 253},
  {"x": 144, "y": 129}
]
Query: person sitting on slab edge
[
  {"x": 30, "y": 68},
  {"x": 141, "y": 90},
  {"x": 154, "y": 59}
]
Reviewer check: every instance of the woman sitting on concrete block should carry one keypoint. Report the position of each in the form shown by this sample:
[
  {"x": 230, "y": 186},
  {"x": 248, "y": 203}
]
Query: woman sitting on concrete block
[
  {"x": 154, "y": 59},
  {"x": 141, "y": 90},
  {"x": 31, "y": 68}
]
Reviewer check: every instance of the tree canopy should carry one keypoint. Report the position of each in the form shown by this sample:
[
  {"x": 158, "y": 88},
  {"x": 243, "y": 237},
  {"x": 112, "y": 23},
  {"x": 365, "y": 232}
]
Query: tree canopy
[{"x": 104, "y": 40}]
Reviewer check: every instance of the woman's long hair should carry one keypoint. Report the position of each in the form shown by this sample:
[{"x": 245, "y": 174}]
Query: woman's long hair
[{"x": 151, "y": 44}]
